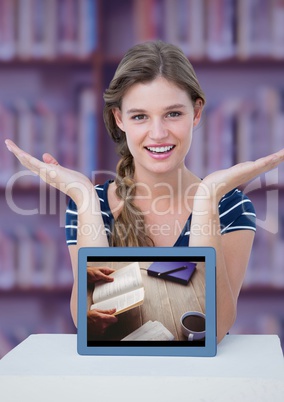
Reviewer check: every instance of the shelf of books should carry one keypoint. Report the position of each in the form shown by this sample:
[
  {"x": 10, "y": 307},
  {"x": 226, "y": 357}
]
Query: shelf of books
[
  {"x": 56, "y": 58},
  {"x": 48, "y": 29},
  {"x": 214, "y": 30},
  {"x": 49, "y": 73}
]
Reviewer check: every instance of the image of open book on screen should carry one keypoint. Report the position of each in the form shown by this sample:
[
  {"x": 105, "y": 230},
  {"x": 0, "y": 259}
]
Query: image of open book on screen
[
  {"x": 124, "y": 293},
  {"x": 140, "y": 313}
]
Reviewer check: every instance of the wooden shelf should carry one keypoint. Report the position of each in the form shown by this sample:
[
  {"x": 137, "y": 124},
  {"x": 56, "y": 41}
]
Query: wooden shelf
[
  {"x": 61, "y": 291},
  {"x": 264, "y": 188},
  {"x": 262, "y": 291},
  {"x": 28, "y": 188},
  {"x": 253, "y": 62},
  {"x": 247, "y": 291},
  {"x": 60, "y": 61},
  {"x": 34, "y": 188}
]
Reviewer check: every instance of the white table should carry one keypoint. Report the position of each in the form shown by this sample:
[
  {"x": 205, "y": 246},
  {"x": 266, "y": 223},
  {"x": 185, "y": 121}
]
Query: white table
[{"x": 48, "y": 368}]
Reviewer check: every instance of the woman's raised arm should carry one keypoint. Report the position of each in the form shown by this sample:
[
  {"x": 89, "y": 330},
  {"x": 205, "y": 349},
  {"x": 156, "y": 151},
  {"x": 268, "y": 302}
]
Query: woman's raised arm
[
  {"x": 82, "y": 191},
  {"x": 232, "y": 249}
]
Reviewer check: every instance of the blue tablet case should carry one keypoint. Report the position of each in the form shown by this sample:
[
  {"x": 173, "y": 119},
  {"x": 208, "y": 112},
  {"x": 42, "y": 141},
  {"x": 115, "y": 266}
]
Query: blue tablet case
[{"x": 148, "y": 348}]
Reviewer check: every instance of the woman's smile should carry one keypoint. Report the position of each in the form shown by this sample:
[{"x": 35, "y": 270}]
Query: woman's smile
[
  {"x": 161, "y": 151},
  {"x": 157, "y": 118}
]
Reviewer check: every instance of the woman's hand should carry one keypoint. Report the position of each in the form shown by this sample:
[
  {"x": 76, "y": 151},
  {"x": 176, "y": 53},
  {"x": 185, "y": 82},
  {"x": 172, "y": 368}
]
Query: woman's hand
[
  {"x": 99, "y": 320},
  {"x": 216, "y": 184},
  {"x": 99, "y": 274},
  {"x": 233, "y": 249},
  {"x": 72, "y": 183}
]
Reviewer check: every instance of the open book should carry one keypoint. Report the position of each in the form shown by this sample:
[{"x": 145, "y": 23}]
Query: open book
[
  {"x": 124, "y": 293},
  {"x": 151, "y": 331}
]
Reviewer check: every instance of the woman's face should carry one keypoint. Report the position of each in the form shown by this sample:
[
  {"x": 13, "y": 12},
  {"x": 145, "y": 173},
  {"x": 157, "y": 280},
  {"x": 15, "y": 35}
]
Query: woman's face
[{"x": 157, "y": 118}]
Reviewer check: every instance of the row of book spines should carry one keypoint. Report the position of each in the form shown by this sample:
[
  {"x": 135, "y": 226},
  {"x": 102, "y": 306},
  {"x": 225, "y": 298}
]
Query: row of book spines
[
  {"x": 216, "y": 29},
  {"x": 32, "y": 260},
  {"x": 47, "y": 28},
  {"x": 69, "y": 136},
  {"x": 231, "y": 132},
  {"x": 236, "y": 131}
]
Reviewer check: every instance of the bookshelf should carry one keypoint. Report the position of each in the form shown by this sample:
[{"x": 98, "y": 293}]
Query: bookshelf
[
  {"x": 50, "y": 87},
  {"x": 49, "y": 70}
]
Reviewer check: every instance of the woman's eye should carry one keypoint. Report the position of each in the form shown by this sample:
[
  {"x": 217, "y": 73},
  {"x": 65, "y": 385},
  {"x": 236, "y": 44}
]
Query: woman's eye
[
  {"x": 174, "y": 114},
  {"x": 139, "y": 117}
]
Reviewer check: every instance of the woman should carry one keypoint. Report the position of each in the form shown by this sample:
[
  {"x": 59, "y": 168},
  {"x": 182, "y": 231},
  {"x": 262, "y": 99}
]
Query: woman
[{"x": 151, "y": 107}]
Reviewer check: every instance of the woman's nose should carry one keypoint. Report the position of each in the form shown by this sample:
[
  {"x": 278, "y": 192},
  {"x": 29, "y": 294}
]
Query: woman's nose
[{"x": 157, "y": 130}]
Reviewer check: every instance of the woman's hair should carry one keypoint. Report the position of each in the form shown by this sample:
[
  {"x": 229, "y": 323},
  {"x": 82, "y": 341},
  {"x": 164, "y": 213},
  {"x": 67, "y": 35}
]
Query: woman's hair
[{"x": 142, "y": 63}]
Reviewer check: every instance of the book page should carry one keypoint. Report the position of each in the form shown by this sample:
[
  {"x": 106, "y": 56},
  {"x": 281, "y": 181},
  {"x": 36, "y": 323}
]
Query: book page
[
  {"x": 125, "y": 279},
  {"x": 150, "y": 331},
  {"x": 121, "y": 302}
]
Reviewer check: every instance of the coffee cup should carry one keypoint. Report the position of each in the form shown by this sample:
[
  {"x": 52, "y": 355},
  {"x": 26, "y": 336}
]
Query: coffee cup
[{"x": 193, "y": 325}]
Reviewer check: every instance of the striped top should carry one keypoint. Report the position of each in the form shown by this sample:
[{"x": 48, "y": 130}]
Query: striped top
[{"x": 236, "y": 212}]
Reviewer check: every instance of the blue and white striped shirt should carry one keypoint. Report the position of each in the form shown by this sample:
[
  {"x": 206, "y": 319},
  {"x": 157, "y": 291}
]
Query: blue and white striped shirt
[{"x": 236, "y": 212}]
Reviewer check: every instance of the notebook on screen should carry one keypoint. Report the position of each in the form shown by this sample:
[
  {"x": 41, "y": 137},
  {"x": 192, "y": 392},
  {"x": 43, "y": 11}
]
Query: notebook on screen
[
  {"x": 175, "y": 271},
  {"x": 128, "y": 304}
]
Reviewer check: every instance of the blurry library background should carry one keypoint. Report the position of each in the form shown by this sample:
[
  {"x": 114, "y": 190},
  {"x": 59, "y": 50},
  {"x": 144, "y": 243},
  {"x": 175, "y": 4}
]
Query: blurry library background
[{"x": 56, "y": 59}]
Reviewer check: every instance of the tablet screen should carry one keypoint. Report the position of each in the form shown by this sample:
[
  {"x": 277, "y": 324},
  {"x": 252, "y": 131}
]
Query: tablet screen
[{"x": 159, "y": 301}]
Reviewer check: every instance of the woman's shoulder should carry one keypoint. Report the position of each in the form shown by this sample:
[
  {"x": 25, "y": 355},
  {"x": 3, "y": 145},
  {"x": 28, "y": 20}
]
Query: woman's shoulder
[
  {"x": 113, "y": 203},
  {"x": 233, "y": 199},
  {"x": 236, "y": 212},
  {"x": 105, "y": 194},
  {"x": 102, "y": 192}
]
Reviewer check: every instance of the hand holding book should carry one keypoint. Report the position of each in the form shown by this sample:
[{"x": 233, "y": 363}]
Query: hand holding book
[
  {"x": 95, "y": 274},
  {"x": 124, "y": 293},
  {"x": 99, "y": 320}
]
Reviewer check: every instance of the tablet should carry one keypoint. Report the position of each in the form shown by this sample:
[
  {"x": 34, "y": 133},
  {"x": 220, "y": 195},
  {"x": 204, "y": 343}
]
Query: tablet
[{"x": 131, "y": 312}]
